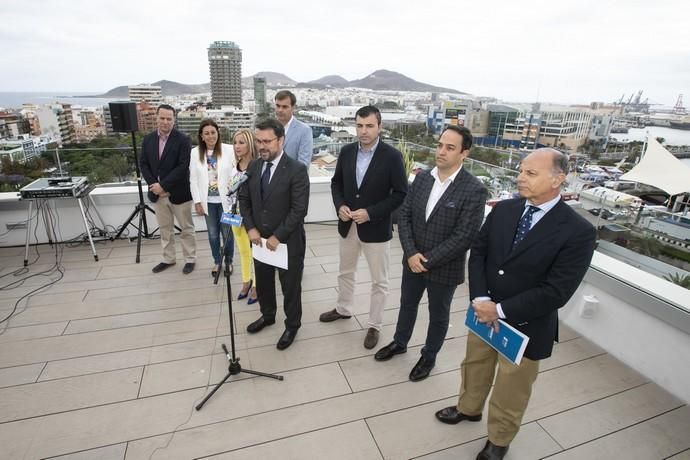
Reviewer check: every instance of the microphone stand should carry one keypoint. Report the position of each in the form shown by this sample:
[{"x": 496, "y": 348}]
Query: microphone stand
[{"x": 234, "y": 366}]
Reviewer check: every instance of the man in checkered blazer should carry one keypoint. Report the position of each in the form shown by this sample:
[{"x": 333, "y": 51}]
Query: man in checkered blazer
[{"x": 439, "y": 220}]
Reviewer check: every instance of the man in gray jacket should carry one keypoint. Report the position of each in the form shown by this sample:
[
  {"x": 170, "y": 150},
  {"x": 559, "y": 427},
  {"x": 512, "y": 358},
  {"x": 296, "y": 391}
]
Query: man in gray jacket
[{"x": 299, "y": 142}]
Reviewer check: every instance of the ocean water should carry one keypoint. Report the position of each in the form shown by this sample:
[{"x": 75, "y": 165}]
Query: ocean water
[
  {"x": 11, "y": 100},
  {"x": 671, "y": 136}
]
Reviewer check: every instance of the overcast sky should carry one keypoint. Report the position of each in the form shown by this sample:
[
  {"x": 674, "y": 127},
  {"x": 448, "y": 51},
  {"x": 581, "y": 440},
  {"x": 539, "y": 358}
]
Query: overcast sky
[{"x": 551, "y": 51}]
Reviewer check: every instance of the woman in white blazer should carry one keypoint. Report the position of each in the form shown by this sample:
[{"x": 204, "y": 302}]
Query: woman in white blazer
[{"x": 210, "y": 168}]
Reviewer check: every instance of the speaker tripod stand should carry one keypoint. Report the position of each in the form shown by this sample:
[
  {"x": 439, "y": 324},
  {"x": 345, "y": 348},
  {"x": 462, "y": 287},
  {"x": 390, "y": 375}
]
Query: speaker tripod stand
[
  {"x": 139, "y": 209},
  {"x": 234, "y": 366}
]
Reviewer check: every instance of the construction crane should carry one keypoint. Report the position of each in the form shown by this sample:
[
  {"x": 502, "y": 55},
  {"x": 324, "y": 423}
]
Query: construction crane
[
  {"x": 637, "y": 98},
  {"x": 678, "y": 108}
]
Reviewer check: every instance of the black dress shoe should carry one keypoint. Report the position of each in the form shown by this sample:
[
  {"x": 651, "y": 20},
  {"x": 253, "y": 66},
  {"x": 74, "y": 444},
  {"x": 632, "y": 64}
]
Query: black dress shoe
[
  {"x": 451, "y": 415},
  {"x": 421, "y": 370},
  {"x": 286, "y": 339},
  {"x": 390, "y": 350},
  {"x": 259, "y": 324},
  {"x": 188, "y": 268},
  {"x": 161, "y": 266},
  {"x": 492, "y": 452}
]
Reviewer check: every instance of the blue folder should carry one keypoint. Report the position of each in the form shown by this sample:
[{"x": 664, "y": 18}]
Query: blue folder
[{"x": 508, "y": 341}]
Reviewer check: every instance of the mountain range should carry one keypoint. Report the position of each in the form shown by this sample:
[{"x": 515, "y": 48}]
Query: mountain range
[{"x": 379, "y": 80}]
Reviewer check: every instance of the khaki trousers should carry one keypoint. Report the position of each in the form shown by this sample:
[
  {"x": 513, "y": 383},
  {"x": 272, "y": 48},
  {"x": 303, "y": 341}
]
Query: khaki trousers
[
  {"x": 511, "y": 394},
  {"x": 377, "y": 255},
  {"x": 167, "y": 213}
]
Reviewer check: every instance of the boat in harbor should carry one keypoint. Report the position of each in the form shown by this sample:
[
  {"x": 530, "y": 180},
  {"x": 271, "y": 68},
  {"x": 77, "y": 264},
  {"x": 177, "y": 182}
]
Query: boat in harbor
[{"x": 681, "y": 123}]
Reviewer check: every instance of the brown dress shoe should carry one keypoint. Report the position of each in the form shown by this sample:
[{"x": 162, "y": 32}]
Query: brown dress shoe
[
  {"x": 371, "y": 339},
  {"x": 331, "y": 315}
]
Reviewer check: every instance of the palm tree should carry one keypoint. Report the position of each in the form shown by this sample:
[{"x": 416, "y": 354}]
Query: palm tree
[
  {"x": 407, "y": 156},
  {"x": 680, "y": 280}
]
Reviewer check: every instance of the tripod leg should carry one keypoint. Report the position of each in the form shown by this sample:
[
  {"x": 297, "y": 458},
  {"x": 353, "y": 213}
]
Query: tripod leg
[
  {"x": 208, "y": 396},
  {"x": 262, "y": 374},
  {"x": 47, "y": 223},
  {"x": 141, "y": 216},
  {"x": 88, "y": 230},
  {"x": 28, "y": 233},
  {"x": 95, "y": 208},
  {"x": 126, "y": 224}
]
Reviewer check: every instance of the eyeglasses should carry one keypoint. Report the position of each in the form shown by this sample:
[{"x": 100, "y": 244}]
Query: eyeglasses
[{"x": 265, "y": 141}]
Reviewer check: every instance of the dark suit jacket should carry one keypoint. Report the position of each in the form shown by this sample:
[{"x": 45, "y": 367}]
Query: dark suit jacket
[
  {"x": 451, "y": 229},
  {"x": 282, "y": 210},
  {"x": 536, "y": 278},
  {"x": 383, "y": 189},
  {"x": 172, "y": 168}
]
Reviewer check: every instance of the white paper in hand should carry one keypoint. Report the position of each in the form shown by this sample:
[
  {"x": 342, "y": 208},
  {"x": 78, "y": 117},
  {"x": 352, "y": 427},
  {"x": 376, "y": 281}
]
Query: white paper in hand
[{"x": 277, "y": 258}]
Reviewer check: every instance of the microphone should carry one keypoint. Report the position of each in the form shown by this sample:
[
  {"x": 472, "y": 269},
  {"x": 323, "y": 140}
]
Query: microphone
[{"x": 235, "y": 186}]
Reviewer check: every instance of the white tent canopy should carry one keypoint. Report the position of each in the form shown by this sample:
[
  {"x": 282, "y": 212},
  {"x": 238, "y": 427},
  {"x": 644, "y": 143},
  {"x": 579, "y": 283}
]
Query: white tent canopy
[{"x": 659, "y": 168}]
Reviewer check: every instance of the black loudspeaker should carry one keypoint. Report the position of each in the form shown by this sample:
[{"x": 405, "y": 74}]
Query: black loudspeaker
[{"x": 124, "y": 116}]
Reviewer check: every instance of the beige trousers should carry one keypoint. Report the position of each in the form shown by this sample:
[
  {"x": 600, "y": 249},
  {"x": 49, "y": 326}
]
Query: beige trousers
[
  {"x": 512, "y": 389},
  {"x": 167, "y": 213},
  {"x": 377, "y": 255}
]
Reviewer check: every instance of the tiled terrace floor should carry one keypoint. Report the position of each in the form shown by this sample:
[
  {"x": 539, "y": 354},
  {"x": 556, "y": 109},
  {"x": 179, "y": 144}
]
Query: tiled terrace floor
[{"x": 110, "y": 361}]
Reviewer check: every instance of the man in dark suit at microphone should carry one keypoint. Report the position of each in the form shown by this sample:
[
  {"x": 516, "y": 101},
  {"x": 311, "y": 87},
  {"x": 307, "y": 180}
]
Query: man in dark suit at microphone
[{"x": 274, "y": 203}]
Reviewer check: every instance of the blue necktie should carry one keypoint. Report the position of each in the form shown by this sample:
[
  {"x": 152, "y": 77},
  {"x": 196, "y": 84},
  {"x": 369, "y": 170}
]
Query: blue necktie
[
  {"x": 265, "y": 178},
  {"x": 524, "y": 225}
]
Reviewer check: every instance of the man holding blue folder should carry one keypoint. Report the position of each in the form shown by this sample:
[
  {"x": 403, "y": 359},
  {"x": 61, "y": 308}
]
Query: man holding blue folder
[{"x": 530, "y": 257}]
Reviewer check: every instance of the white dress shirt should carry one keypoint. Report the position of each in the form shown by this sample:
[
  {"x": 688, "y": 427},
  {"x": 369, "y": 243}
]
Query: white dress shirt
[{"x": 438, "y": 189}]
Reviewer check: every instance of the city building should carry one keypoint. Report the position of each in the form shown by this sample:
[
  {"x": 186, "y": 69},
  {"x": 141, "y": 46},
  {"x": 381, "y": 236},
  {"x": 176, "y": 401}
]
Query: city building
[
  {"x": 188, "y": 122},
  {"x": 22, "y": 148},
  {"x": 259, "y": 94},
  {"x": 107, "y": 120},
  {"x": 12, "y": 125},
  {"x": 89, "y": 117},
  {"x": 456, "y": 112},
  {"x": 530, "y": 126},
  {"x": 87, "y": 133},
  {"x": 231, "y": 118},
  {"x": 225, "y": 67},
  {"x": 145, "y": 93},
  {"x": 146, "y": 116},
  {"x": 57, "y": 122}
]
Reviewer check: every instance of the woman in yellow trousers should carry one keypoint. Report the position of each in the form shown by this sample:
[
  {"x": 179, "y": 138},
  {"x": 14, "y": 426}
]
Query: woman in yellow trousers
[{"x": 245, "y": 152}]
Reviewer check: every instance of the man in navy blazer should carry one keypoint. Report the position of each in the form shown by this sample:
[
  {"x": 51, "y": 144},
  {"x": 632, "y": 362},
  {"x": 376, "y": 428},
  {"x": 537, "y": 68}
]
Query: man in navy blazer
[
  {"x": 439, "y": 220},
  {"x": 165, "y": 167},
  {"x": 299, "y": 141},
  {"x": 369, "y": 183},
  {"x": 529, "y": 259}
]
